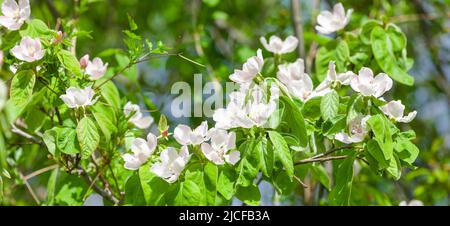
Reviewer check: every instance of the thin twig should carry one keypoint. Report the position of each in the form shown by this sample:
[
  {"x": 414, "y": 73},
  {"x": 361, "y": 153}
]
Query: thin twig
[
  {"x": 324, "y": 159},
  {"x": 301, "y": 182},
  {"x": 22, "y": 133},
  {"x": 40, "y": 171},
  {"x": 30, "y": 189}
]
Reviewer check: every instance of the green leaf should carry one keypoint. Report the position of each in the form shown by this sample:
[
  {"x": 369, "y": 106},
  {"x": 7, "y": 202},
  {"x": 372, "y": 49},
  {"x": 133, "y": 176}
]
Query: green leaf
[
  {"x": 88, "y": 136},
  {"x": 366, "y": 30},
  {"x": 22, "y": 89},
  {"x": 70, "y": 190},
  {"x": 51, "y": 186},
  {"x": 249, "y": 165},
  {"x": 323, "y": 58},
  {"x": 50, "y": 137},
  {"x": 36, "y": 28},
  {"x": 329, "y": 106},
  {"x": 342, "y": 55},
  {"x": 311, "y": 109},
  {"x": 134, "y": 195},
  {"x": 406, "y": 150},
  {"x": 162, "y": 124},
  {"x": 375, "y": 151},
  {"x": 383, "y": 51},
  {"x": 153, "y": 187},
  {"x": 70, "y": 62},
  {"x": 296, "y": 121},
  {"x": 249, "y": 195},
  {"x": 282, "y": 152},
  {"x": 266, "y": 156},
  {"x": 321, "y": 175},
  {"x": 132, "y": 23},
  {"x": 340, "y": 194},
  {"x": 210, "y": 177},
  {"x": 334, "y": 125},
  {"x": 67, "y": 140},
  {"x": 111, "y": 95},
  {"x": 106, "y": 125},
  {"x": 395, "y": 168},
  {"x": 283, "y": 183},
  {"x": 397, "y": 37},
  {"x": 381, "y": 130},
  {"x": 190, "y": 192},
  {"x": 225, "y": 183}
]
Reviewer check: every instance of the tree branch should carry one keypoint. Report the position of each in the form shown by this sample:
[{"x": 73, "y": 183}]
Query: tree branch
[
  {"x": 104, "y": 193},
  {"x": 321, "y": 157}
]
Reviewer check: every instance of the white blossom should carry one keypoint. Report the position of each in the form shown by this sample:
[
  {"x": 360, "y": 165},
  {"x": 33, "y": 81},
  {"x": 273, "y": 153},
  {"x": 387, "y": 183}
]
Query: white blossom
[
  {"x": 142, "y": 150},
  {"x": 357, "y": 128},
  {"x": 186, "y": 136},
  {"x": 368, "y": 85},
  {"x": 250, "y": 69},
  {"x": 76, "y": 97},
  {"x": 14, "y": 15},
  {"x": 395, "y": 110},
  {"x": 411, "y": 203},
  {"x": 28, "y": 50},
  {"x": 218, "y": 151},
  {"x": 329, "y": 22},
  {"x": 278, "y": 46},
  {"x": 172, "y": 163},
  {"x": 334, "y": 77},
  {"x": 297, "y": 82},
  {"x": 247, "y": 108},
  {"x": 137, "y": 118},
  {"x": 3, "y": 94},
  {"x": 95, "y": 68}
]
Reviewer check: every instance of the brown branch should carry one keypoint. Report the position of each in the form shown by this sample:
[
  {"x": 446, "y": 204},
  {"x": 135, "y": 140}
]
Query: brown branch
[{"x": 104, "y": 193}]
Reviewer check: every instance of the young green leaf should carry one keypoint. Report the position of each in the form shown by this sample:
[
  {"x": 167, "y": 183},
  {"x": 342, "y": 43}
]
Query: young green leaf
[
  {"x": 282, "y": 152},
  {"x": 329, "y": 106},
  {"x": 383, "y": 52},
  {"x": 70, "y": 62},
  {"x": 249, "y": 195},
  {"x": 22, "y": 88},
  {"x": 88, "y": 136}
]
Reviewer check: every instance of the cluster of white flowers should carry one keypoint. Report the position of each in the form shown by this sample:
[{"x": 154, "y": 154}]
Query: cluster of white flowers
[{"x": 221, "y": 142}]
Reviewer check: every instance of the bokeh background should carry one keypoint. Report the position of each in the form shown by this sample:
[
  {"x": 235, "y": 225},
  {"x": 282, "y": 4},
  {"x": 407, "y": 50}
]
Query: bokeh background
[{"x": 223, "y": 34}]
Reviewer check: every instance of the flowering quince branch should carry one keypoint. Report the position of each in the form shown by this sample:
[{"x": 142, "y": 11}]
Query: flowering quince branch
[{"x": 272, "y": 123}]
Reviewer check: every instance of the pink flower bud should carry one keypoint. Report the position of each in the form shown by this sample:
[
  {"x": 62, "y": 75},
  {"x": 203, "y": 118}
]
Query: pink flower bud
[{"x": 84, "y": 61}]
